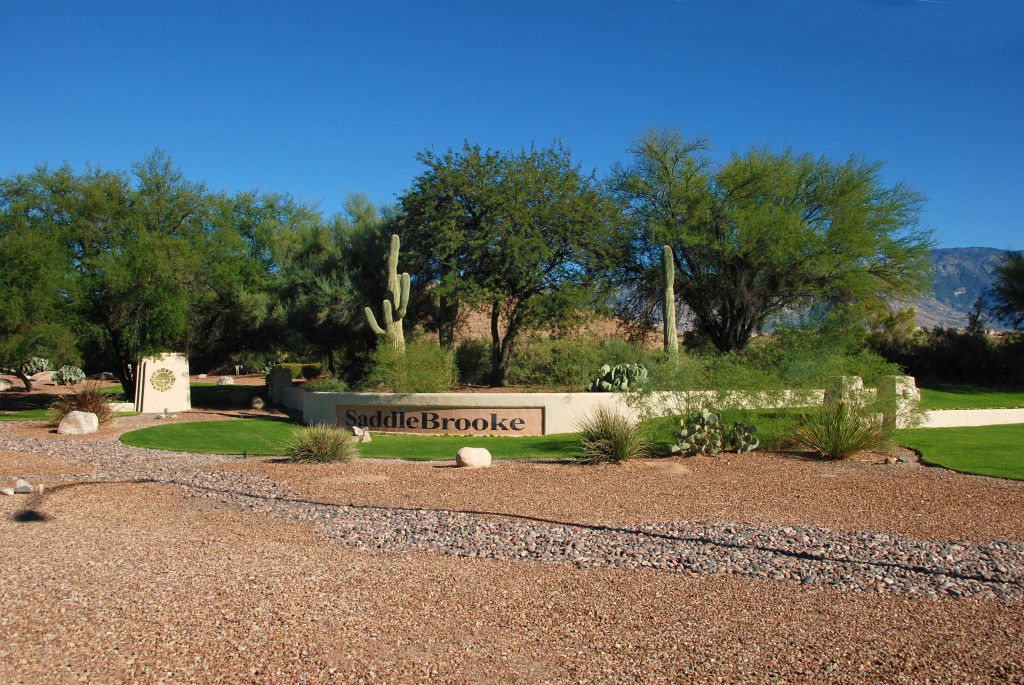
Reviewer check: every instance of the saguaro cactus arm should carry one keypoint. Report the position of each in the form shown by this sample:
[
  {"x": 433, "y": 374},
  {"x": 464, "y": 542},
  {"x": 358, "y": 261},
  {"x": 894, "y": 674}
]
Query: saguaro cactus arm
[{"x": 669, "y": 314}]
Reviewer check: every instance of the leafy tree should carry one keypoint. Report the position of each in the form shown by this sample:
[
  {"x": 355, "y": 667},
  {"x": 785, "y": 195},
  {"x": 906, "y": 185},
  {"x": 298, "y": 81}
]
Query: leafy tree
[
  {"x": 765, "y": 233},
  {"x": 523, "y": 234},
  {"x": 1008, "y": 289},
  {"x": 329, "y": 271},
  {"x": 34, "y": 321}
]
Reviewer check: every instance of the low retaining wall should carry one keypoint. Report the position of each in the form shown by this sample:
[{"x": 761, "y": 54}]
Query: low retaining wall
[
  {"x": 957, "y": 418},
  {"x": 477, "y": 413},
  {"x": 546, "y": 413}
]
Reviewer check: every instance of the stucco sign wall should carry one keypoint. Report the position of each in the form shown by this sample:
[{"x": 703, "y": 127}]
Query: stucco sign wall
[{"x": 444, "y": 420}]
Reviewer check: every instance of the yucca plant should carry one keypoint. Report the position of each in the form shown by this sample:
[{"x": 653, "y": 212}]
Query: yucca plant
[
  {"x": 838, "y": 430},
  {"x": 607, "y": 436},
  {"x": 322, "y": 443},
  {"x": 88, "y": 398}
]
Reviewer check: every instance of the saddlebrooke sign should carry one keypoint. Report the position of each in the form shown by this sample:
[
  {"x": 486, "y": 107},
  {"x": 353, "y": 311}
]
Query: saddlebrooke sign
[{"x": 438, "y": 421}]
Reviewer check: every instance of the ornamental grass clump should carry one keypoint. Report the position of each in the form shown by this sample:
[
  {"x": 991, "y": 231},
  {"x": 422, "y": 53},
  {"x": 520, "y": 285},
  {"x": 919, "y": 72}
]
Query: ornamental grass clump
[
  {"x": 840, "y": 429},
  {"x": 326, "y": 384},
  {"x": 321, "y": 443},
  {"x": 607, "y": 436},
  {"x": 88, "y": 398}
]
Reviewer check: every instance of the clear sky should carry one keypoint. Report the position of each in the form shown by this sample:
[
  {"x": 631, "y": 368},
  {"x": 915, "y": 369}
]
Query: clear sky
[{"x": 321, "y": 99}]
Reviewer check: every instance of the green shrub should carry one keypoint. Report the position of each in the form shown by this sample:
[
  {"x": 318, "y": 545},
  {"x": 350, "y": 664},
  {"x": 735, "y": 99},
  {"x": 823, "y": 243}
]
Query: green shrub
[
  {"x": 88, "y": 398},
  {"x": 425, "y": 367},
  {"x": 322, "y": 443},
  {"x": 68, "y": 375},
  {"x": 325, "y": 384},
  {"x": 473, "y": 358},
  {"x": 569, "y": 362},
  {"x": 840, "y": 429},
  {"x": 35, "y": 365},
  {"x": 311, "y": 371},
  {"x": 607, "y": 436},
  {"x": 699, "y": 433},
  {"x": 619, "y": 378}
]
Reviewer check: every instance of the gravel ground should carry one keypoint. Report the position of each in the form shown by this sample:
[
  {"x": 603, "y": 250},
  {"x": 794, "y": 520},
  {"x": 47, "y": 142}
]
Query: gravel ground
[{"x": 748, "y": 569}]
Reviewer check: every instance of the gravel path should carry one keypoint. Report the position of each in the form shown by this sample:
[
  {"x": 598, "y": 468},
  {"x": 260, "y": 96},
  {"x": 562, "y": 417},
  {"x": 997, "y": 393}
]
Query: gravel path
[{"x": 858, "y": 561}]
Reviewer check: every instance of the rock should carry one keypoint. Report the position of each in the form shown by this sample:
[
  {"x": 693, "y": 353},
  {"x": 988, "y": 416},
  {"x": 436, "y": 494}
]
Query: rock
[
  {"x": 22, "y": 483},
  {"x": 202, "y": 375},
  {"x": 473, "y": 457},
  {"x": 7, "y": 491},
  {"x": 42, "y": 377},
  {"x": 362, "y": 434},
  {"x": 226, "y": 380},
  {"x": 257, "y": 402},
  {"x": 78, "y": 423},
  {"x": 906, "y": 460},
  {"x": 890, "y": 460},
  {"x": 23, "y": 490},
  {"x": 40, "y": 489},
  {"x": 5, "y": 384}
]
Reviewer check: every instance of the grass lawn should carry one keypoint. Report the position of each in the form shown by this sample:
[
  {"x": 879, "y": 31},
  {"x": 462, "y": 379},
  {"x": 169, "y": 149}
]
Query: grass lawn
[
  {"x": 968, "y": 397},
  {"x": 983, "y": 450},
  {"x": 270, "y": 437},
  {"x": 25, "y": 415}
]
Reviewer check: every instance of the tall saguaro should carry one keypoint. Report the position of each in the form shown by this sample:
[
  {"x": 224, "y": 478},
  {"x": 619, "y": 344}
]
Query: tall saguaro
[
  {"x": 669, "y": 315},
  {"x": 395, "y": 304}
]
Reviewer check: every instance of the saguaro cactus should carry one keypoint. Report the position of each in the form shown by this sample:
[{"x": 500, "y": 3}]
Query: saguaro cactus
[
  {"x": 669, "y": 272},
  {"x": 395, "y": 304}
]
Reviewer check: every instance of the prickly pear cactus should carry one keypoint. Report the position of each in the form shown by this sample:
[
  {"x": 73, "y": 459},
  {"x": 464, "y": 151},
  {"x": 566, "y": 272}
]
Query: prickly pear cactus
[
  {"x": 743, "y": 438},
  {"x": 699, "y": 433},
  {"x": 620, "y": 378}
]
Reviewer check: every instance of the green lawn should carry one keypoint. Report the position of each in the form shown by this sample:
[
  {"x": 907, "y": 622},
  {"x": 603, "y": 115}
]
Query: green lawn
[
  {"x": 24, "y": 415},
  {"x": 270, "y": 437},
  {"x": 983, "y": 450},
  {"x": 968, "y": 397}
]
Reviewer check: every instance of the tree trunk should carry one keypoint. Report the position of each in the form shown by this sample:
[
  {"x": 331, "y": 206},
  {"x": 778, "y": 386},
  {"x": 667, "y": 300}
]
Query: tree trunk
[
  {"x": 502, "y": 347},
  {"x": 23, "y": 377}
]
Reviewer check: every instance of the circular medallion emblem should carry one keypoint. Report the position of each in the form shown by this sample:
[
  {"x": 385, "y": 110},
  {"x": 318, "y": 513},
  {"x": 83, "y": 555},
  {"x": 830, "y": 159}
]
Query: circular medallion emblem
[{"x": 162, "y": 379}]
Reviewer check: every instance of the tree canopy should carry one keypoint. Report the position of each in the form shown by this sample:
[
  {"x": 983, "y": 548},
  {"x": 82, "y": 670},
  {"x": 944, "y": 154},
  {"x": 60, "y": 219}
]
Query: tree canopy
[
  {"x": 521, "y": 233},
  {"x": 1008, "y": 289},
  {"x": 765, "y": 233}
]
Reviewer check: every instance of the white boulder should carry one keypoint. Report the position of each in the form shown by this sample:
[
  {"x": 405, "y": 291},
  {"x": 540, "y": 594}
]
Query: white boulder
[
  {"x": 78, "y": 423},
  {"x": 257, "y": 402},
  {"x": 5, "y": 384},
  {"x": 226, "y": 380},
  {"x": 473, "y": 457}
]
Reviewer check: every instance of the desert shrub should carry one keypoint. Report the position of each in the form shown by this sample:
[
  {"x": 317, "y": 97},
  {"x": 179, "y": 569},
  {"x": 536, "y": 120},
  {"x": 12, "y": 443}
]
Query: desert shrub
[
  {"x": 424, "y": 367},
  {"x": 569, "y": 362},
  {"x": 311, "y": 371},
  {"x": 473, "y": 358},
  {"x": 325, "y": 384},
  {"x": 35, "y": 365},
  {"x": 743, "y": 438},
  {"x": 699, "y": 433},
  {"x": 68, "y": 375},
  {"x": 619, "y": 378},
  {"x": 322, "y": 443},
  {"x": 840, "y": 429},
  {"x": 88, "y": 398},
  {"x": 606, "y": 436}
]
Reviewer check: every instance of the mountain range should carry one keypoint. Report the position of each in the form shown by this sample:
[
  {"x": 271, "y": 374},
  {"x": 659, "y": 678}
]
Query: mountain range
[{"x": 961, "y": 275}]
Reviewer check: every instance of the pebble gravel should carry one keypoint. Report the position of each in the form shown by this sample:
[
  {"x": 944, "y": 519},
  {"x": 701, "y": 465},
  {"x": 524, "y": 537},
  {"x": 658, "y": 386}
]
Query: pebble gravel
[{"x": 847, "y": 560}]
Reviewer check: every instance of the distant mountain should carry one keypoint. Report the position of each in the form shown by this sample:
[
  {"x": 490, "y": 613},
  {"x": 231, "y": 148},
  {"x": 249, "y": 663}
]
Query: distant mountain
[{"x": 961, "y": 275}]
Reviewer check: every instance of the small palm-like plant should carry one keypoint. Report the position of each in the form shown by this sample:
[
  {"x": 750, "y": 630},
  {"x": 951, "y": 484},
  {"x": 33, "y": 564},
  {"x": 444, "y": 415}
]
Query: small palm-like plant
[
  {"x": 322, "y": 443},
  {"x": 838, "y": 430},
  {"x": 88, "y": 398},
  {"x": 607, "y": 436}
]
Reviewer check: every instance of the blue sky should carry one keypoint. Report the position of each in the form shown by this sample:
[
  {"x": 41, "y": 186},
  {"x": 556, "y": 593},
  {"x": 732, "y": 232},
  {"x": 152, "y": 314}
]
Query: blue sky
[{"x": 321, "y": 99}]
